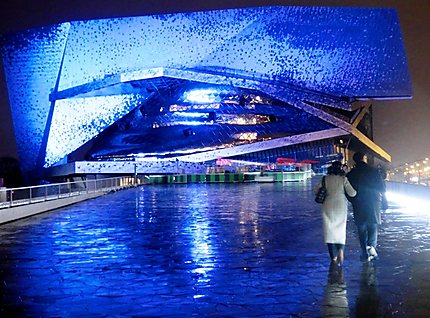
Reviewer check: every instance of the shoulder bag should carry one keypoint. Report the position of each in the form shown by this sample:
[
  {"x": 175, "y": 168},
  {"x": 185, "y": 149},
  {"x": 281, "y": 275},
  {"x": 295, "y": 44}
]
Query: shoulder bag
[{"x": 322, "y": 192}]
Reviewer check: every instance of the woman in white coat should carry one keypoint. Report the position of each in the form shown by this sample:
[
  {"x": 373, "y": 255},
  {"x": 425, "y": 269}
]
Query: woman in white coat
[{"x": 335, "y": 210}]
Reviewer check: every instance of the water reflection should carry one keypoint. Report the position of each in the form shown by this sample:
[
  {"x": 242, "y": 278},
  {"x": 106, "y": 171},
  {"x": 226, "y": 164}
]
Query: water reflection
[
  {"x": 368, "y": 299},
  {"x": 335, "y": 300},
  {"x": 248, "y": 218},
  {"x": 206, "y": 250},
  {"x": 198, "y": 229}
]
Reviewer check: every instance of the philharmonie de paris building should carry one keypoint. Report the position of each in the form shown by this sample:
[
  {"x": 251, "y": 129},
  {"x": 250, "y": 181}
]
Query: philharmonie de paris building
[{"x": 178, "y": 93}]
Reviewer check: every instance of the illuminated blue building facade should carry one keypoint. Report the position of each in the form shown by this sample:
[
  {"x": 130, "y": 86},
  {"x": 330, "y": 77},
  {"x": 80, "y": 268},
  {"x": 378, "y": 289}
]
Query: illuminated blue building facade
[{"x": 192, "y": 87}]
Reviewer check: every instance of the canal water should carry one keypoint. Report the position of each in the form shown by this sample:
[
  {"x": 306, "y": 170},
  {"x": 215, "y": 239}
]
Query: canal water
[{"x": 199, "y": 250}]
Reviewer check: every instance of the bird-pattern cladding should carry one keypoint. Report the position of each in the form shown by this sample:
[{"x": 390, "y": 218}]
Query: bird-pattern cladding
[{"x": 353, "y": 52}]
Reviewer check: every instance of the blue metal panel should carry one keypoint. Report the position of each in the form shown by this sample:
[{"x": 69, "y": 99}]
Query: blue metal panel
[
  {"x": 350, "y": 52},
  {"x": 31, "y": 63}
]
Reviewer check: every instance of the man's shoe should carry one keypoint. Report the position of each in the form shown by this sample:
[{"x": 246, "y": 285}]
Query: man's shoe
[
  {"x": 371, "y": 258},
  {"x": 372, "y": 251}
]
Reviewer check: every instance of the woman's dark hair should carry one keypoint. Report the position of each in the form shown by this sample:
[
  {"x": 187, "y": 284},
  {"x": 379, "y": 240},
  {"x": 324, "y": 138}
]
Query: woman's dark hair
[{"x": 336, "y": 168}]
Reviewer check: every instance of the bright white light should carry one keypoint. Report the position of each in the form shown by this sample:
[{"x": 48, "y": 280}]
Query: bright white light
[
  {"x": 191, "y": 114},
  {"x": 414, "y": 205},
  {"x": 202, "y": 96},
  {"x": 196, "y": 118},
  {"x": 243, "y": 162},
  {"x": 246, "y": 136},
  {"x": 189, "y": 123}
]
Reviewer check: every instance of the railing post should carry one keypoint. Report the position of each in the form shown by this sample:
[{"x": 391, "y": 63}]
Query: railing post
[
  {"x": 3, "y": 194},
  {"x": 103, "y": 185}
]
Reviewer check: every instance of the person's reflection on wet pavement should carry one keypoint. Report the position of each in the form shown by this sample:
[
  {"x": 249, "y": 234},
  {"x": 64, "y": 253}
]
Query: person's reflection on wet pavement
[
  {"x": 367, "y": 304},
  {"x": 335, "y": 300}
]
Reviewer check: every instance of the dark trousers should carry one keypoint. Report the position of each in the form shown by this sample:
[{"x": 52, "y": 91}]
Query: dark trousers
[
  {"x": 368, "y": 236},
  {"x": 334, "y": 248}
]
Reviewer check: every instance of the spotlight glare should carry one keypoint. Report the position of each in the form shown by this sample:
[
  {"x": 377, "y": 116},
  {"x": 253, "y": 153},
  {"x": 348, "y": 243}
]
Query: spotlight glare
[
  {"x": 202, "y": 96},
  {"x": 414, "y": 205}
]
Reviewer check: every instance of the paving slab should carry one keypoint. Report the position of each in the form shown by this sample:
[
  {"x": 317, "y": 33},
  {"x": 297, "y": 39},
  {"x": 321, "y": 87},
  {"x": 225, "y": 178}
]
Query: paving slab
[{"x": 208, "y": 250}]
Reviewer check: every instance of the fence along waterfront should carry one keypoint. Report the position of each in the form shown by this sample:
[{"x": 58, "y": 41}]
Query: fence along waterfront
[{"x": 12, "y": 197}]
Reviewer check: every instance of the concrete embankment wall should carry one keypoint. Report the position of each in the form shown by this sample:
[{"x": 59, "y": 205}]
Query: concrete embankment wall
[{"x": 23, "y": 211}]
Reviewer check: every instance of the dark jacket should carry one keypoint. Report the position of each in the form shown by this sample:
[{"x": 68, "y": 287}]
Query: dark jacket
[{"x": 370, "y": 188}]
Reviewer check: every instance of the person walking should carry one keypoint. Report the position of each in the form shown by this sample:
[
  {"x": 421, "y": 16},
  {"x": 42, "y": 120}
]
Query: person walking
[
  {"x": 334, "y": 210},
  {"x": 366, "y": 204}
]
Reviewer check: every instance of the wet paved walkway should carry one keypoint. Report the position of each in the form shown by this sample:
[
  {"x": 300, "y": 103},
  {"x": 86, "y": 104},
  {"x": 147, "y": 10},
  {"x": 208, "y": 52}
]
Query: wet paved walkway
[{"x": 217, "y": 250}]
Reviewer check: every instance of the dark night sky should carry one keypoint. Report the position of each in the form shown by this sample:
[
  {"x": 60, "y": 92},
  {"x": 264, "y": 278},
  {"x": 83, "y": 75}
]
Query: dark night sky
[{"x": 401, "y": 127}]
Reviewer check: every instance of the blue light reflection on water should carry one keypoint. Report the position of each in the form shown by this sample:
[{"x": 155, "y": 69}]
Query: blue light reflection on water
[
  {"x": 198, "y": 229},
  {"x": 140, "y": 246},
  {"x": 199, "y": 249}
]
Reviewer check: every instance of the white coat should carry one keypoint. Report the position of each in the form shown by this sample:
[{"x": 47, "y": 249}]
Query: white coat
[{"x": 335, "y": 208}]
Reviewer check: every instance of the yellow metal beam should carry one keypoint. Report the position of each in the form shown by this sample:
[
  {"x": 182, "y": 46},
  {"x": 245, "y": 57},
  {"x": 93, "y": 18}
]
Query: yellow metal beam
[
  {"x": 370, "y": 144},
  {"x": 363, "y": 111}
]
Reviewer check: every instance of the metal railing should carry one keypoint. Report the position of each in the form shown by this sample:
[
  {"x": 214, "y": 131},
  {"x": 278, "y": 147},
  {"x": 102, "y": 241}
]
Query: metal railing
[{"x": 10, "y": 197}]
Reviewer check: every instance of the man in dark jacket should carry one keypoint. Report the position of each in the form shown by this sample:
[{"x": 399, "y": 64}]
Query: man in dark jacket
[{"x": 370, "y": 187}]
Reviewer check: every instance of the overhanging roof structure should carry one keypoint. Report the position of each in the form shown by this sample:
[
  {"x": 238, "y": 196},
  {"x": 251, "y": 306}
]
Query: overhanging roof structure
[{"x": 274, "y": 76}]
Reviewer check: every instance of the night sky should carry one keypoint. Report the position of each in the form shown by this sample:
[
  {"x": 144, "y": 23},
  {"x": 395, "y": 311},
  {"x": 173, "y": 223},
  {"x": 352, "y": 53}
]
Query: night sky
[{"x": 401, "y": 127}]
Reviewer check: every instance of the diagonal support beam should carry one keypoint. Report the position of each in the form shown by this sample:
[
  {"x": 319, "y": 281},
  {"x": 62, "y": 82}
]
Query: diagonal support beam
[
  {"x": 260, "y": 83},
  {"x": 370, "y": 144},
  {"x": 359, "y": 116},
  {"x": 117, "y": 84},
  {"x": 345, "y": 126},
  {"x": 264, "y": 145},
  {"x": 321, "y": 114}
]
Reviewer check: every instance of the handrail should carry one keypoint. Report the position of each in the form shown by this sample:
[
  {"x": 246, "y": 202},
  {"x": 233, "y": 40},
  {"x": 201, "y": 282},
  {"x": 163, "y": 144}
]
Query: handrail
[
  {"x": 64, "y": 183},
  {"x": 10, "y": 197}
]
